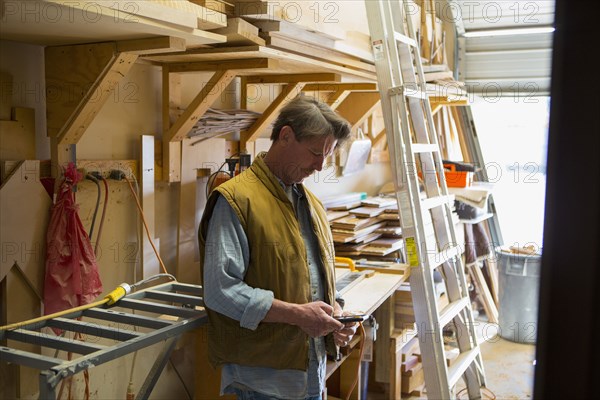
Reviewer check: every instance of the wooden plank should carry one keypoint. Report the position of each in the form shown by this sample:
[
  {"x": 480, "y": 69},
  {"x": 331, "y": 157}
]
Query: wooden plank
[
  {"x": 151, "y": 45},
  {"x": 268, "y": 116},
  {"x": 334, "y": 87},
  {"x": 216, "y": 5},
  {"x": 23, "y": 229},
  {"x": 291, "y": 44},
  {"x": 65, "y": 22},
  {"x": 149, "y": 261},
  {"x": 240, "y": 32},
  {"x": 294, "y": 78},
  {"x": 155, "y": 10},
  {"x": 207, "y": 96},
  {"x": 171, "y": 101},
  {"x": 237, "y": 65},
  {"x": 483, "y": 291},
  {"x": 291, "y": 30},
  {"x": 22, "y": 265},
  {"x": 210, "y": 155},
  {"x": 204, "y": 18}
]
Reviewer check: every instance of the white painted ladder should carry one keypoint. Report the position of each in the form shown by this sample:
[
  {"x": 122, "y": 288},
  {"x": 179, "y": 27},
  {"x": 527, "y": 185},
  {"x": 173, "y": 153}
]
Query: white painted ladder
[{"x": 406, "y": 109}]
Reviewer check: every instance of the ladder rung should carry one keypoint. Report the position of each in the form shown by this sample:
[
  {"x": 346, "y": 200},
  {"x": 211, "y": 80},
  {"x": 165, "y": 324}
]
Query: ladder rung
[
  {"x": 28, "y": 359},
  {"x": 432, "y": 202},
  {"x": 452, "y": 310},
  {"x": 439, "y": 258},
  {"x": 424, "y": 148},
  {"x": 410, "y": 91},
  {"x": 460, "y": 365},
  {"x": 405, "y": 39}
]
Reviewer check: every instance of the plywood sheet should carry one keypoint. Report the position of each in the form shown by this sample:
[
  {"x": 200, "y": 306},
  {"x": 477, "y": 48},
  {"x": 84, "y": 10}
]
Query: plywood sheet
[
  {"x": 18, "y": 135},
  {"x": 24, "y": 215}
]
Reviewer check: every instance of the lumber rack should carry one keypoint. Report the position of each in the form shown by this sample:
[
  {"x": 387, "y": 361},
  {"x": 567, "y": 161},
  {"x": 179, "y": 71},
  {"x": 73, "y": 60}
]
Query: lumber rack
[{"x": 165, "y": 312}]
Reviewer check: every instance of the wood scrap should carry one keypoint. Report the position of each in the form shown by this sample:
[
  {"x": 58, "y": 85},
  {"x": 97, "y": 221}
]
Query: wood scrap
[
  {"x": 333, "y": 215},
  {"x": 239, "y": 32},
  {"x": 367, "y": 211},
  {"x": 378, "y": 201},
  {"x": 483, "y": 291},
  {"x": 353, "y": 223}
]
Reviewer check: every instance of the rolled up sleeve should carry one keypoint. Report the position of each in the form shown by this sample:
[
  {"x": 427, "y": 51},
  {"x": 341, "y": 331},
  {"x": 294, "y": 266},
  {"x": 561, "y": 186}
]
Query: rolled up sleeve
[{"x": 225, "y": 265}]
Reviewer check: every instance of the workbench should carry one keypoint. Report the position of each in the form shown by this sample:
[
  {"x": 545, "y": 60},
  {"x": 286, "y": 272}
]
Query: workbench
[{"x": 365, "y": 296}]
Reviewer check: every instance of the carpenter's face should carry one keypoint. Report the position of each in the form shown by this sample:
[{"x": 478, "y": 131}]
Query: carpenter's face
[{"x": 306, "y": 157}]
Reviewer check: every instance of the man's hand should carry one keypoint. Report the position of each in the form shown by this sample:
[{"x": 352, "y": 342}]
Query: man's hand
[
  {"x": 313, "y": 318},
  {"x": 344, "y": 335}
]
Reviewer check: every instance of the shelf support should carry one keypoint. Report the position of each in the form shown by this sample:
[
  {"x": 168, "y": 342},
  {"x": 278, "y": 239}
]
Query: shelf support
[
  {"x": 79, "y": 80},
  {"x": 289, "y": 91}
]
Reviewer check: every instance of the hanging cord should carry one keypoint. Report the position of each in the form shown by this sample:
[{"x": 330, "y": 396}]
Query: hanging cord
[
  {"x": 363, "y": 336},
  {"x": 137, "y": 202},
  {"x": 93, "y": 179},
  {"x": 485, "y": 392},
  {"x": 104, "y": 207}
]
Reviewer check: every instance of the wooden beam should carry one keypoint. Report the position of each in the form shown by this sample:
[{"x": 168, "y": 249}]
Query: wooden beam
[
  {"x": 150, "y": 264},
  {"x": 221, "y": 65},
  {"x": 79, "y": 80},
  {"x": 336, "y": 98},
  {"x": 293, "y": 78},
  {"x": 207, "y": 96},
  {"x": 268, "y": 116},
  {"x": 171, "y": 151},
  {"x": 334, "y": 87},
  {"x": 151, "y": 45}
]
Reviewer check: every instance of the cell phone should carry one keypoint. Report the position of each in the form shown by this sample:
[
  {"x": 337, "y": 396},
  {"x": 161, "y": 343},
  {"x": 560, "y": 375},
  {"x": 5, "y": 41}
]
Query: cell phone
[{"x": 351, "y": 318}]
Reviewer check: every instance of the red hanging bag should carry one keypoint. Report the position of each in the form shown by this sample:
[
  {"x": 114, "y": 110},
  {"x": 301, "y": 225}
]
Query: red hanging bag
[{"x": 72, "y": 277}]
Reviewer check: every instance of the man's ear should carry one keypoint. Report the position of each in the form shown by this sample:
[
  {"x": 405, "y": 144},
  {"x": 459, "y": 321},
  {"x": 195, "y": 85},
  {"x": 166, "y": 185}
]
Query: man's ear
[{"x": 286, "y": 135}]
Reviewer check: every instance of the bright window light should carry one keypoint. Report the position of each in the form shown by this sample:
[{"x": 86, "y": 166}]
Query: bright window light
[{"x": 509, "y": 31}]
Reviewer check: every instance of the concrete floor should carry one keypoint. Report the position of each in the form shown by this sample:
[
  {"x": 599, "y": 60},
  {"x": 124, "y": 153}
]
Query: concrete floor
[{"x": 509, "y": 366}]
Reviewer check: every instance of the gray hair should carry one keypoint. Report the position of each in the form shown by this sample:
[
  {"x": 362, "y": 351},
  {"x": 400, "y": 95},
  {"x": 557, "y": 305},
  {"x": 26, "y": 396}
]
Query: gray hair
[{"x": 308, "y": 118}]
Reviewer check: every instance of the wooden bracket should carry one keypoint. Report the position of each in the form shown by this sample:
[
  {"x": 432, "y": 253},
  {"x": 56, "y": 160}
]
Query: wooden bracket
[
  {"x": 79, "y": 80},
  {"x": 226, "y": 71},
  {"x": 437, "y": 102},
  {"x": 268, "y": 116},
  {"x": 358, "y": 106},
  {"x": 339, "y": 91},
  {"x": 202, "y": 102}
]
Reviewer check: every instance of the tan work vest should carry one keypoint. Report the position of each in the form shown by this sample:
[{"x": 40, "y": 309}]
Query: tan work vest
[{"x": 277, "y": 263}]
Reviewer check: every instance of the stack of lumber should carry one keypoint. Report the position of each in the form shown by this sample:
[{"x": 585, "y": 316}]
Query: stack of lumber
[
  {"x": 365, "y": 228},
  {"x": 411, "y": 368},
  {"x": 404, "y": 315}
]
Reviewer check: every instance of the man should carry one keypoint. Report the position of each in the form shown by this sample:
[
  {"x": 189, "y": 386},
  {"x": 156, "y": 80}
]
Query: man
[{"x": 268, "y": 265}]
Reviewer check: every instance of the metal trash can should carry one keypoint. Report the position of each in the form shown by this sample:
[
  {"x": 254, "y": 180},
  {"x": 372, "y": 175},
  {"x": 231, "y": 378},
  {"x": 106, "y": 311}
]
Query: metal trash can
[{"x": 518, "y": 289}]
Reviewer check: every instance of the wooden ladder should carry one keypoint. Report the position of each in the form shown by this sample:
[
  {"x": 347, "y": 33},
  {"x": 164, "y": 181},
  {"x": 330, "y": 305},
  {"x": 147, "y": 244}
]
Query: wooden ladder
[{"x": 414, "y": 150}]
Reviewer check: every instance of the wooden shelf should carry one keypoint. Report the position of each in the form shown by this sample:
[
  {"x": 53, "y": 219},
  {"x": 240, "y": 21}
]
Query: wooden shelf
[
  {"x": 288, "y": 63},
  {"x": 58, "y": 22}
]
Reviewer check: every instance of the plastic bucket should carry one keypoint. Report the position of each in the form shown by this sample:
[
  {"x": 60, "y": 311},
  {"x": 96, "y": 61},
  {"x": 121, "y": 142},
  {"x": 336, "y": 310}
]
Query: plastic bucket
[{"x": 518, "y": 289}]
